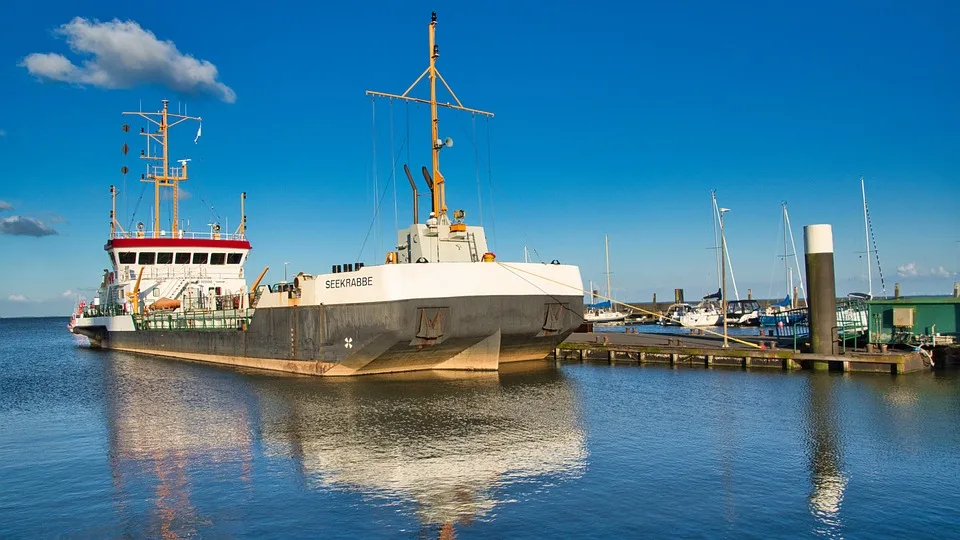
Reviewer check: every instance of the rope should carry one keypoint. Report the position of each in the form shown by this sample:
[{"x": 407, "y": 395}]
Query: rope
[
  {"x": 476, "y": 166},
  {"x": 637, "y": 308},
  {"x": 376, "y": 203},
  {"x": 136, "y": 207},
  {"x": 873, "y": 238},
  {"x": 393, "y": 175},
  {"x": 493, "y": 226}
]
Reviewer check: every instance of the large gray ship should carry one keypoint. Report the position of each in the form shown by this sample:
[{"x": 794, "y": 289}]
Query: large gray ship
[{"x": 440, "y": 301}]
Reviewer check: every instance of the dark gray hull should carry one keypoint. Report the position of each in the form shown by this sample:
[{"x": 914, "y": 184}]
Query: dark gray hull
[{"x": 442, "y": 333}]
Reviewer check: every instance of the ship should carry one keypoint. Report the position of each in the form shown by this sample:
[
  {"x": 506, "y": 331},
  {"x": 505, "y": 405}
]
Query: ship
[{"x": 440, "y": 301}]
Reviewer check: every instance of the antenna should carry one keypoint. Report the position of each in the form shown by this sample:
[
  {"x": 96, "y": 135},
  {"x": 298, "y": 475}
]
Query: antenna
[{"x": 162, "y": 176}]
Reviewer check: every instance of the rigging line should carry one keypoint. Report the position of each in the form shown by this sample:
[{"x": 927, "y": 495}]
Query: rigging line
[
  {"x": 776, "y": 255},
  {"x": 476, "y": 167},
  {"x": 493, "y": 219},
  {"x": 407, "y": 105},
  {"x": 393, "y": 175},
  {"x": 883, "y": 286},
  {"x": 137, "y": 206},
  {"x": 716, "y": 233},
  {"x": 376, "y": 203},
  {"x": 382, "y": 194},
  {"x": 562, "y": 304},
  {"x": 796, "y": 260}
]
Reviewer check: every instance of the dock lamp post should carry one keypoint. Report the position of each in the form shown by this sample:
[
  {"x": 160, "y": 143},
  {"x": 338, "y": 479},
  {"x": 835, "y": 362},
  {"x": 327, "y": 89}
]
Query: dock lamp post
[
  {"x": 285, "y": 271},
  {"x": 723, "y": 278}
]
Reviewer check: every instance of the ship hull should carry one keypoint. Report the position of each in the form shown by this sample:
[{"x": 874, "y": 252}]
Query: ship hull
[{"x": 458, "y": 333}]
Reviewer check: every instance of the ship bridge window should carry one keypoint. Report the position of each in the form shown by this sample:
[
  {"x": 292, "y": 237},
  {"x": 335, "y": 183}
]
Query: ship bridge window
[
  {"x": 199, "y": 258},
  {"x": 146, "y": 257},
  {"x": 218, "y": 258},
  {"x": 127, "y": 257},
  {"x": 234, "y": 258},
  {"x": 164, "y": 258},
  {"x": 183, "y": 258}
]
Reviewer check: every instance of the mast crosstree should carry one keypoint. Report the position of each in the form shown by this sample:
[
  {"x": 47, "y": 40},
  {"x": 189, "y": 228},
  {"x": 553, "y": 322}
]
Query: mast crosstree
[{"x": 437, "y": 181}]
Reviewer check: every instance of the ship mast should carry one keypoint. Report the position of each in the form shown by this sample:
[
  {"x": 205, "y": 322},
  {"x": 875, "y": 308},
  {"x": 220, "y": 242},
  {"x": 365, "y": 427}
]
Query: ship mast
[
  {"x": 162, "y": 175},
  {"x": 437, "y": 187}
]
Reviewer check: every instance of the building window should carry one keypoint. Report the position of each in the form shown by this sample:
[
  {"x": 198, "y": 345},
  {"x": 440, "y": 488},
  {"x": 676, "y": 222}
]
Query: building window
[
  {"x": 218, "y": 258},
  {"x": 127, "y": 257},
  {"x": 146, "y": 257},
  {"x": 234, "y": 258},
  {"x": 199, "y": 258},
  {"x": 183, "y": 258},
  {"x": 164, "y": 258}
]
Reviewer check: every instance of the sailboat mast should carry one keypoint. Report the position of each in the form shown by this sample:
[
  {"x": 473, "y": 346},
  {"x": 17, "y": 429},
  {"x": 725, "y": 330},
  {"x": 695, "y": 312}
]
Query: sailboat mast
[
  {"x": 716, "y": 233},
  {"x": 786, "y": 253},
  {"x": 606, "y": 241},
  {"x": 866, "y": 238}
]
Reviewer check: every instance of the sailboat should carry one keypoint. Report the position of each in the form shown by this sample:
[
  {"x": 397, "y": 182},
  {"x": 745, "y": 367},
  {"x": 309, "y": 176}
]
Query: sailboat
[
  {"x": 779, "y": 312},
  {"x": 852, "y": 315},
  {"x": 708, "y": 312},
  {"x": 867, "y": 237},
  {"x": 604, "y": 312}
]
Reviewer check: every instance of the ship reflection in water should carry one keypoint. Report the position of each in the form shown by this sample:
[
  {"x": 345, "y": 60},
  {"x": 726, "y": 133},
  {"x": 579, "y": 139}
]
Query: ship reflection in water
[{"x": 439, "y": 447}]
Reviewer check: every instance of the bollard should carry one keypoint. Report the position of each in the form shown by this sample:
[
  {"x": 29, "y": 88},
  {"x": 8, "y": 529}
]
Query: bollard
[{"x": 821, "y": 287}]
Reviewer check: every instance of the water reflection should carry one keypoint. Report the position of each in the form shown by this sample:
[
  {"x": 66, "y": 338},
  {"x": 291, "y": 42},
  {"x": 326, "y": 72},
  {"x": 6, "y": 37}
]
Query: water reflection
[
  {"x": 162, "y": 422},
  {"x": 444, "y": 448},
  {"x": 825, "y": 456}
]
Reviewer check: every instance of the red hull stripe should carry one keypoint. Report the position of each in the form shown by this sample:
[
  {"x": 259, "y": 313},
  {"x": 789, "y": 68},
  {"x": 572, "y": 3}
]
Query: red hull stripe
[{"x": 176, "y": 243}]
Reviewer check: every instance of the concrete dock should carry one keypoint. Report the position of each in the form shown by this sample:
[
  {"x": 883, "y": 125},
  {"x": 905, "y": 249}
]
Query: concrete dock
[{"x": 676, "y": 349}]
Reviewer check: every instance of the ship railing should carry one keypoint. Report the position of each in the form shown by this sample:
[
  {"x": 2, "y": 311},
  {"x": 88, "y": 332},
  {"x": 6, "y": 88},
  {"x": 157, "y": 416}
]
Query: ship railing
[
  {"x": 191, "y": 302},
  {"x": 187, "y": 272},
  {"x": 192, "y": 235},
  {"x": 108, "y": 310},
  {"x": 201, "y": 320}
]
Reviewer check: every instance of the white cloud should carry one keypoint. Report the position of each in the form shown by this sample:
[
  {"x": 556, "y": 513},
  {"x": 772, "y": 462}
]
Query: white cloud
[
  {"x": 4, "y": 205},
  {"x": 67, "y": 293},
  {"x": 907, "y": 270},
  {"x": 911, "y": 269},
  {"x": 121, "y": 54},
  {"x": 18, "y": 298},
  {"x": 940, "y": 271}
]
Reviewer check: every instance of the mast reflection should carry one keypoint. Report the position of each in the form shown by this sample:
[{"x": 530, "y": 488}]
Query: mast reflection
[{"x": 825, "y": 456}]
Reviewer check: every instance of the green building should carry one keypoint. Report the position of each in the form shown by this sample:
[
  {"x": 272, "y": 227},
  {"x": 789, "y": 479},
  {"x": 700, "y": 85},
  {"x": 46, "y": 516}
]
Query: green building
[{"x": 928, "y": 320}]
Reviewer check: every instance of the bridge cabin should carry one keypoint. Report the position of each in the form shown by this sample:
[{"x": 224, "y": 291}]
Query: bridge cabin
[{"x": 197, "y": 271}]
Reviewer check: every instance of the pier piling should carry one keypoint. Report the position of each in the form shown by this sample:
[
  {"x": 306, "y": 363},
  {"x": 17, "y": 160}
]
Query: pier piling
[{"x": 821, "y": 287}]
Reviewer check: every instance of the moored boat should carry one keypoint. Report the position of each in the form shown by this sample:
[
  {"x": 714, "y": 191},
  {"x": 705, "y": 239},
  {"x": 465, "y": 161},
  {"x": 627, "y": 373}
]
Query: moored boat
[{"x": 441, "y": 300}]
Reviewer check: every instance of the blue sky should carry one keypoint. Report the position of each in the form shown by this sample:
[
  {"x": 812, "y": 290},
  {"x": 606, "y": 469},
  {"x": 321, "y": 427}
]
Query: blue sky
[{"x": 610, "y": 119}]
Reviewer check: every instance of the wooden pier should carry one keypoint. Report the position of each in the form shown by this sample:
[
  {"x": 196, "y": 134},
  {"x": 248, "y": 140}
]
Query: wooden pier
[{"x": 676, "y": 349}]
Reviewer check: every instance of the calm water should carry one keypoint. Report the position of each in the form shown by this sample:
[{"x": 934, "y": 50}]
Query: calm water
[{"x": 105, "y": 445}]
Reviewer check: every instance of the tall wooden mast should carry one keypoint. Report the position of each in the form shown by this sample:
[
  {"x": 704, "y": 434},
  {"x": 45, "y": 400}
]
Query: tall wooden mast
[
  {"x": 163, "y": 175},
  {"x": 436, "y": 144}
]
